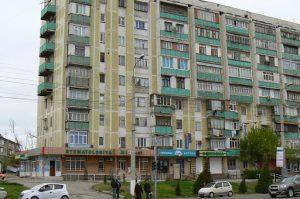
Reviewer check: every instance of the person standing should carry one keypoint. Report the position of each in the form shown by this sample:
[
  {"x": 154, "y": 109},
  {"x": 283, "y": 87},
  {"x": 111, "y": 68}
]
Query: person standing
[
  {"x": 114, "y": 186},
  {"x": 118, "y": 188},
  {"x": 147, "y": 189},
  {"x": 138, "y": 190}
]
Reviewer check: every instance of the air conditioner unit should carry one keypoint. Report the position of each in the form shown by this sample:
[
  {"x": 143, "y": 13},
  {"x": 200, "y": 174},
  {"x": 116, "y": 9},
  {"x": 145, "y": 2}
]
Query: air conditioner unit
[{"x": 109, "y": 159}]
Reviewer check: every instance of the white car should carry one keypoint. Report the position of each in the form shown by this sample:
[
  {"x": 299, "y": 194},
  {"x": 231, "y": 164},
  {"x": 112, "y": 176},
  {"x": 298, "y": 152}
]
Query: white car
[
  {"x": 46, "y": 191},
  {"x": 3, "y": 193},
  {"x": 219, "y": 188}
]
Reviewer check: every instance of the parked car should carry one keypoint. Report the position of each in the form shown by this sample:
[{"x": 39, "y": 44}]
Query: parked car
[
  {"x": 218, "y": 188},
  {"x": 3, "y": 193},
  {"x": 288, "y": 186},
  {"x": 46, "y": 191}
]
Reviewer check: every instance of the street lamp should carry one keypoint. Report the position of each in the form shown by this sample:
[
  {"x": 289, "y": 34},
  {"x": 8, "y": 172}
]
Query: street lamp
[{"x": 132, "y": 159}]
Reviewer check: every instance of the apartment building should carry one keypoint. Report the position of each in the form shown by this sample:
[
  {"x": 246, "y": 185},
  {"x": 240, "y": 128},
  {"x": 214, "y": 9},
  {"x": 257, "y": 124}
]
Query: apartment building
[{"x": 189, "y": 76}]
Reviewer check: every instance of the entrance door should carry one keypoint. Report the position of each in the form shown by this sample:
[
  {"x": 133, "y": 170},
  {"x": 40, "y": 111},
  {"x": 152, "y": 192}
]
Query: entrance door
[{"x": 52, "y": 168}]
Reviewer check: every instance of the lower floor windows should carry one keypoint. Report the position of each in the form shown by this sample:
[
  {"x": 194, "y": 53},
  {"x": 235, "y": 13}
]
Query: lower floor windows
[
  {"x": 75, "y": 163},
  {"x": 231, "y": 163}
]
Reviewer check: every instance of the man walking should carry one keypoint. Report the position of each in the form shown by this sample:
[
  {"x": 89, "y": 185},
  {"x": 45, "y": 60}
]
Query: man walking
[
  {"x": 147, "y": 189},
  {"x": 118, "y": 188},
  {"x": 114, "y": 186},
  {"x": 138, "y": 190}
]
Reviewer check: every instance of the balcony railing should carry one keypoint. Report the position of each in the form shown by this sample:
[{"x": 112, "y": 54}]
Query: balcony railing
[
  {"x": 75, "y": 103},
  {"x": 205, "y": 40},
  {"x": 269, "y": 101},
  {"x": 175, "y": 72},
  {"x": 242, "y": 81},
  {"x": 174, "y": 17},
  {"x": 78, "y": 82},
  {"x": 162, "y": 130},
  {"x": 80, "y": 19},
  {"x": 78, "y": 60},
  {"x": 164, "y": 110},
  {"x": 48, "y": 11},
  {"x": 269, "y": 85},
  {"x": 208, "y": 58},
  {"x": 175, "y": 53},
  {"x": 47, "y": 30},
  {"x": 175, "y": 91},
  {"x": 77, "y": 125},
  {"x": 266, "y": 51},
  {"x": 209, "y": 77},
  {"x": 47, "y": 49},
  {"x": 210, "y": 94},
  {"x": 265, "y": 36},
  {"x": 46, "y": 68},
  {"x": 267, "y": 68},
  {"x": 207, "y": 23},
  {"x": 45, "y": 88},
  {"x": 237, "y": 30},
  {"x": 75, "y": 39},
  {"x": 241, "y": 98},
  {"x": 233, "y": 62},
  {"x": 174, "y": 35},
  {"x": 86, "y": 2}
]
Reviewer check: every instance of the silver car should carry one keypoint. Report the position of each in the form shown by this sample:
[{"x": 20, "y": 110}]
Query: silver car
[
  {"x": 46, "y": 191},
  {"x": 218, "y": 188}
]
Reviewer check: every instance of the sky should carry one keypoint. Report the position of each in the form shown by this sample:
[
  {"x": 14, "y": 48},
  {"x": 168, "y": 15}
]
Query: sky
[{"x": 19, "y": 56}]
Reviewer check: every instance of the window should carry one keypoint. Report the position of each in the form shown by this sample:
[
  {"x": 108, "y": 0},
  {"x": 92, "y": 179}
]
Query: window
[
  {"x": 207, "y": 16},
  {"x": 121, "y": 80},
  {"x": 183, "y": 64},
  {"x": 197, "y": 106},
  {"x": 290, "y": 49},
  {"x": 291, "y": 65},
  {"x": 265, "y": 92},
  {"x": 180, "y": 82},
  {"x": 265, "y": 29},
  {"x": 216, "y": 124},
  {"x": 141, "y": 142},
  {"x": 180, "y": 28},
  {"x": 101, "y": 141},
  {"x": 79, "y": 94},
  {"x": 260, "y": 43},
  {"x": 121, "y": 100},
  {"x": 102, "y": 57},
  {"x": 142, "y": 121},
  {"x": 236, "y": 23},
  {"x": 121, "y": 21},
  {"x": 237, "y": 39},
  {"x": 101, "y": 99},
  {"x": 80, "y": 51},
  {"x": 166, "y": 81},
  {"x": 122, "y": 122},
  {"x": 240, "y": 72},
  {"x": 268, "y": 76},
  {"x": 80, "y": 30},
  {"x": 290, "y": 35},
  {"x": 234, "y": 143},
  {"x": 168, "y": 26},
  {"x": 122, "y": 142},
  {"x": 207, "y": 33},
  {"x": 167, "y": 62},
  {"x": 163, "y": 100},
  {"x": 121, "y": 60},
  {"x": 214, "y": 52},
  {"x": 141, "y": 102},
  {"x": 197, "y": 126},
  {"x": 208, "y": 86},
  {"x": 178, "y": 124},
  {"x": 141, "y": 63},
  {"x": 140, "y": 6},
  {"x": 81, "y": 116},
  {"x": 231, "y": 164},
  {"x": 179, "y": 143},
  {"x": 143, "y": 166},
  {"x": 182, "y": 47},
  {"x": 208, "y": 69},
  {"x": 217, "y": 144},
  {"x": 166, "y": 44},
  {"x": 233, "y": 106},
  {"x": 78, "y": 137},
  {"x": 75, "y": 163},
  {"x": 80, "y": 9},
  {"x": 178, "y": 104},
  {"x": 102, "y": 78},
  {"x": 78, "y": 72},
  {"x": 101, "y": 120},
  {"x": 140, "y": 43},
  {"x": 122, "y": 3},
  {"x": 143, "y": 82},
  {"x": 121, "y": 41},
  {"x": 102, "y": 17},
  {"x": 102, "y": 37},
  {"x": 240, "y": 90},
  {"x": 58, "y": 186},
  {"x": 101, "y": 163},
  {"x": 238, "y": 55},
  {"x": 267, "y": 60},
  {"x": 243, "y": 110},
  {"x": 140, "y": 25},
  {"x": 202, "y": 49}
]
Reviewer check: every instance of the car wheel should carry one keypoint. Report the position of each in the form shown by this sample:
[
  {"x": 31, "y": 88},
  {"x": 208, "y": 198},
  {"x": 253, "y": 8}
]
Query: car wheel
[
  {"x": 211, "y": 194},
  {"x": 273, "y": 196},
  {"x": 290, "y": 192},
  {"x": 34, "y": 197},
  {"x": 64, "y": 197},
  {"x": 230, "y": 194}
]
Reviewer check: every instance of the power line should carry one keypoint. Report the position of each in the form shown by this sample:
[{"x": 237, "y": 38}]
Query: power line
[
  {"x": 1, "y": 63},
  {"x": 16, "y": 78},
  {"x": 18, "y": 82}
]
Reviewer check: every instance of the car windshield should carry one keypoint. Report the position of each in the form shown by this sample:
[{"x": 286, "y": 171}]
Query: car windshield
[
  {"x": 209, "y": 185},
  {"x": 289, "y": 179}
]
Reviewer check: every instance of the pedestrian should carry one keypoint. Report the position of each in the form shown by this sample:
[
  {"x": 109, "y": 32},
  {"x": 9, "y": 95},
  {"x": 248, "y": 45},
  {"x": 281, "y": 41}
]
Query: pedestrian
[
  {"x": 114, "y": 186},
  {"x": 138, "y": 190},
  {"x": 118, "y": 187},
  {"x": 147, "y": 189}
]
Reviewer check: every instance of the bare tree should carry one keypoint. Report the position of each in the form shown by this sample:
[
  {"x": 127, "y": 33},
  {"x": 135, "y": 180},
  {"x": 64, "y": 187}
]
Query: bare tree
[{"x": 12, "y": 129}]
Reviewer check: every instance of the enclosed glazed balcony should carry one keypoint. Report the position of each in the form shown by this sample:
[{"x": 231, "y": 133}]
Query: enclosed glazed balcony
[
  {"x": 78, "y": 60},
  {"x": 76, "y": 103},
  {"x": 45, "y": 88},
  {"x": 80, "y": 19},
  {"x": 47, "y": 49},
  {"x": 163, "y": 110},
  {"x": 48, "y": 11},
  {"x": 47, "y": 30},
  {"x": 163, "y": 130},
  {"x": 46, "y": 68},
  {"x": 78, "y": 82},
  {"x": 77, "y": 125}
]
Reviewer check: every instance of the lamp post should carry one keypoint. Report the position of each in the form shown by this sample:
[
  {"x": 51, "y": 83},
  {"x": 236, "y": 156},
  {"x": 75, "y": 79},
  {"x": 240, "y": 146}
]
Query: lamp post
[{"x": 132, "y": 159}]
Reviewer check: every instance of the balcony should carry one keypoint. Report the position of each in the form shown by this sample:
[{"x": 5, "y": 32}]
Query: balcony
[
  {"x": 163, "y": 110},
  {"x": 204, "y": 40},
  {"x": 241, "y": 81},
  {"x": 175, "y": 53},
  {"x": 175, "y": 72},
  {"x": 291, "y": 41},
  {"x": 46, "y": 68},
  {"x": 209, "y": 77},
  {"x": 78, "y": 60},
  {"x": 291, "y": 56},
  {"x": 47, "y": 30},
  {"x": 210, "y": 94},
  {"x": 242, "y": 98},
  {"x": 75, "y": 103},
  {"x": 174, "y": 35},
  {"x": 238, "y": 30},
  {"x": 269, "y": 101},
  {"x": 295, "y": 88},
  {"x": 232, "y": 133},
  {"x": 210, "y": 59},
  {"x": 266, "y": 51},
  {"x": 78, "y": 82},
  {"x": 74, "y": 39},
  {"x": 233, "y": 152},
  {"x": 163, "y": 130},
  {"x": 269, "y": 85},
  {"x": 80, "y": 19},
  {"x": 86, "y": 2},
  {"x": 45, "y": 88},
  {"x": 47, "y": 49},
  {"x": 207, "y": 23},
  {"x": 267, "y": 68},
  {"x": 223, "y": 114},
  {"x": 238, "y": 46},
  {"x": 244, "y": 64},
  {"x": 70, "y": 125},
  {"x": 287, "y": 119},
  {"x": 175, "y": 92},
  {"x": 48, "y": 11},
  {"x": 215, "y": 134},
  {"x": 265, "y": 36},
  {"x": 291, "y": 136},
  {"x": 173, "y": 17},
  {"x": 291, "y": 72}
]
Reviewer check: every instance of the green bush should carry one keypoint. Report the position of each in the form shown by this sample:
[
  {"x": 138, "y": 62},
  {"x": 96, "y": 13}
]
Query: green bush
[
  {"x": 243, "y": 186},
  {"x": 252, "y": 174},
  {"x": 105, "y": 179},
  {"x": 178, "y": 189},
  {"x": 264, "y": 181},
  {"x": 203, "y": 178}
]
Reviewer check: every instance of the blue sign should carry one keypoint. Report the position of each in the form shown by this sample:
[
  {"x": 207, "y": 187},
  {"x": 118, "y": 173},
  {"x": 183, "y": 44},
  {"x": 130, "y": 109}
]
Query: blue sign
[{"x": 177, "y": 153}]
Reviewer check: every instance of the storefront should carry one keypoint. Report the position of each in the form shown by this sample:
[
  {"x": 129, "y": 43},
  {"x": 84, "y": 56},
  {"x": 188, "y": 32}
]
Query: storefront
[{"x": 217, "y": 161}]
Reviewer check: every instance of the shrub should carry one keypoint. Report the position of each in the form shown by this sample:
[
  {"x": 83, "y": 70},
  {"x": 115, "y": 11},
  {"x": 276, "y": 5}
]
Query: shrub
[
  {"x": 105, "y": 179},
  {"x": 178, "y": 189},
  {"x": 264, "y": 181},
  {"x": 243, "y": 186},
  {"x": 203, "y": 178}
]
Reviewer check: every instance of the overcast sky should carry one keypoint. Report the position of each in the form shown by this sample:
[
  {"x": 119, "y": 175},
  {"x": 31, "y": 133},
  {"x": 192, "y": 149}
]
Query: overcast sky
[{"x": 19, "y": 40}]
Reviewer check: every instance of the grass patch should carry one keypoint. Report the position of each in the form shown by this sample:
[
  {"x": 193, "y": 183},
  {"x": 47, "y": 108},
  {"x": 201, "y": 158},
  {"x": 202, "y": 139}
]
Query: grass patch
[
  {"x": 166, "y": 189},
  {"x": 13, "y": 189}
]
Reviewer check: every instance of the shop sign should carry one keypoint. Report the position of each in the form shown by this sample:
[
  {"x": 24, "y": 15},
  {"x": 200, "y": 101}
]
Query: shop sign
[
  {"x": 88, "y": 152},
  {"x": 23, "y": 156},
  {"x": 212, "y": 153},
  {"x": 128, "y": 152},
  {"x": 177, "y": 153}
]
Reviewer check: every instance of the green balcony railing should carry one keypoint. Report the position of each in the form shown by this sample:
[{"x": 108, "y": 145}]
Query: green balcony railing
[
  {"x": 163, "y": 110},
  {"x": 269, "y": 85},
  {"x": 174, "y": 35},
  {"x": 207, "y": 23},
  {"x": 266, "y": 51},
  {"x": 48, "y": 11},
  {"x": 292, "y": 103},
  {"x": 175, "y": 91},
  {"x": 286, "y": 118},
  {"x": 223, "y": 114},
  {"x": 238, "y": 46},
  {"x": 265, "y": 36},
  {"x": 77, "y": 125},
  {"x": 267, "y": 68},
  {"x": 207, "y": 58},
  {"x": 175, "y": 53},
  {"x": 292, "y": 72},
  {"x": 173, "y": 17},
  {"x": 291, "y": 41},
  {"x": 237, "y": 30},
  {"x": 45, "y": 88},
  {"x": 291, "y": 56},
  {"x": 47, "y": 49},
  {"x": 78, "y": 82},
  {"x": 47, "y": 29},
  {"x": 269, "y": 101},
  {"x": 79, "y": 39},
  {"x": 233, "y": 152},
  {"x": 175, "y": 72},
  {"x": 77, "y": 60},
  {"x": 244, "y": 64},
  {"x": 293, "y": 88},
  {"x": 228, "y": 133},
  {"x": 77, "y": 103},
  {"x": 161, "y": 130},
  {"x": 81, "y": 19},
  {"x": 242, "y": 81},
  {"x": 46, "y": 68},
  {"x": 209, "y": 77},
  {"x": 241, "y": 98},
  {"x": 291, "y": 136},
  {"x": 86, "y": 2},
  {"x": 210, "y": 94},
  {"x": 204, "y": 40}
]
